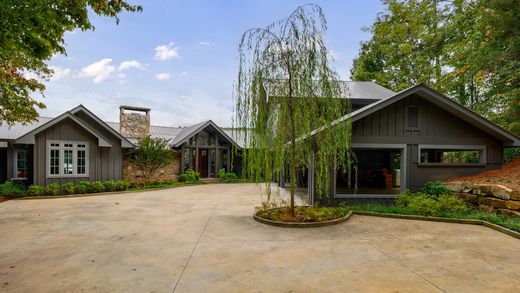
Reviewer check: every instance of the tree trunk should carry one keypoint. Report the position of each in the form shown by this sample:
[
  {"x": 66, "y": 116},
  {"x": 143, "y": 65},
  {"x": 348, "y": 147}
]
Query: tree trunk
[{"x": 293, "y": 141}]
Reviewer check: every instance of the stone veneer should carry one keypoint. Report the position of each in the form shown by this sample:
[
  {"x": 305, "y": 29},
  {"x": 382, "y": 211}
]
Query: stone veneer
[
  {"x": 134, "y": 124},
  {"x": 488, "y": 197},
  {"x": 168, "y": 173}
]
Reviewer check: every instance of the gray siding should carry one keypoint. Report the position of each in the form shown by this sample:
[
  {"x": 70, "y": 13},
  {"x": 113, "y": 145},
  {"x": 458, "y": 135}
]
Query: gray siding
[
  {"x": 436, "y": 127},
  {"x": 104, "y": 163}
]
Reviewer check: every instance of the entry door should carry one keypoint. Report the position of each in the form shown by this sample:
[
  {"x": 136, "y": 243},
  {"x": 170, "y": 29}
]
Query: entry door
[{"x": 203, "y": 162}]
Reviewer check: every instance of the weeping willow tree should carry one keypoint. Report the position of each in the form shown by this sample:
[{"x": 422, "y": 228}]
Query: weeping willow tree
[{"x": 288, "y": 101}]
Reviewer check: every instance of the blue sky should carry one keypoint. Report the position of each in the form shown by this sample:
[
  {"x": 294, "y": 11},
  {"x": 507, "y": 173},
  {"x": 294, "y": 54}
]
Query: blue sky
[{"x": 180, "y": 57}]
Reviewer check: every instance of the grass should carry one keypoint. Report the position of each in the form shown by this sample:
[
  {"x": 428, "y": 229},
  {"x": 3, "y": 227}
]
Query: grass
[
  {"x": 156, "y": 185},
  {"x": 509, "y": 222}
]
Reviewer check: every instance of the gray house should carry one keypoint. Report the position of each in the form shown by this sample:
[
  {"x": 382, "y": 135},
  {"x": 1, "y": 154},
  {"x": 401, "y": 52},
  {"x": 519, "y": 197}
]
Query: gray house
[
  {"x": 77, "y": 145},
  {"x": 401, "y": 140}
]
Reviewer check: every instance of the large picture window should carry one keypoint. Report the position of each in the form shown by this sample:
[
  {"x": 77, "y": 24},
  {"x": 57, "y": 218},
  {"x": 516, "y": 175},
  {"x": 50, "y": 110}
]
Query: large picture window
[
  {"x": 67, "y": 159},
  {"x": 454, "y": 154}
]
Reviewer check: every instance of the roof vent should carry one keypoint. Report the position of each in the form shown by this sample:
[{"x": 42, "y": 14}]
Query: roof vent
[{"x": 134, "y": 122}]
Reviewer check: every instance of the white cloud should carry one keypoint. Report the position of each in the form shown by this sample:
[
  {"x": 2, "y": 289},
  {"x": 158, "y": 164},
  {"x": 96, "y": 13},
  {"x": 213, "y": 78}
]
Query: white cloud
[
  {"x": 163, "y": 76},
  {"x": 183, "y": 74},
  {"x": 60, "y": 73},
  {"x": 131, "y": 64},
  {"x": 207, "y": 44},
  {"x": 100, "y": 71},
  {"x": 166, "y": 52}
]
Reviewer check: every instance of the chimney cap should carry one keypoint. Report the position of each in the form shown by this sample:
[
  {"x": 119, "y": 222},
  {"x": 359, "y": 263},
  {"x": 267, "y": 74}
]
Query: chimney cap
[{"x": 134, "y": 108}]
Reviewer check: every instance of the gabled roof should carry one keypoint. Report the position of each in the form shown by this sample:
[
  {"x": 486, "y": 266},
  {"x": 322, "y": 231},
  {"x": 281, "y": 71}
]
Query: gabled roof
[
  {"x": 125, "y": 143},
  {"x": 28, "y": 138},
  {"x": 508, "y": 138},
  {"x": 355, "y": 90},
  {"x": 189, "y": 132}
]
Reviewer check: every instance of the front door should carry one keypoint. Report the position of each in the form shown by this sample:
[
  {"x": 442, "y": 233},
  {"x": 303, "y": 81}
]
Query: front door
[{"x": 203, "y": 163}]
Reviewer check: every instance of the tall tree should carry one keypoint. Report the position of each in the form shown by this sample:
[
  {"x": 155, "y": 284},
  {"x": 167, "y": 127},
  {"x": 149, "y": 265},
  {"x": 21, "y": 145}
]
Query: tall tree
[
  {"x": 285, "y": 89},
  {"x": 468, "y": 49},
  {"x": 31, "y": 32}
]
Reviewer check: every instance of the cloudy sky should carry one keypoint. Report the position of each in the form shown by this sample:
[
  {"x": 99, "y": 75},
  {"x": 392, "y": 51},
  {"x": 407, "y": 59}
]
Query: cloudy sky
[{"x": 180, "y": 57}]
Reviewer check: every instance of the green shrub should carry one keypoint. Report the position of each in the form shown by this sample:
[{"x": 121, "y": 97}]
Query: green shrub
[
  {"x": 189, "y": 176},
  {"x": 226, "y": 177},
  {"x": 10, "y": 189},
  {"x": 435, "y": 188},
  {"x": 426, "y": 205},
  {"x": 82, "y": 187},
  {"x": 109, "y": 185},
  {"x": 52, "y": 189},
  {"x": 68, "y": 188},
  {"x": 36, "y": 190},
  {"x": 121, "y": 185},
  {"x": 96, "y": 186}
]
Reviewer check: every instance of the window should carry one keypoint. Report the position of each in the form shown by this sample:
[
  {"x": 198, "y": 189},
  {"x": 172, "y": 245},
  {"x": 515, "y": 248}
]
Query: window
[
  {"x": 21, "y": 164},
  {"x": 452, "y": 155},
  {"x": 67, "y": 159},
  {"x": 412, "y": 117}
]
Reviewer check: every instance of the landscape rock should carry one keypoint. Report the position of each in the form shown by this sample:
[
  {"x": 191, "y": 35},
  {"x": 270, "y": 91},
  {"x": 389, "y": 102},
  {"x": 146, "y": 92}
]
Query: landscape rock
[
  {"x": 487, "y": 209},
  {"x": 509, "y": 212},
  {"x": 512, "y": 205},
  {"x": 494, "y": 202}
]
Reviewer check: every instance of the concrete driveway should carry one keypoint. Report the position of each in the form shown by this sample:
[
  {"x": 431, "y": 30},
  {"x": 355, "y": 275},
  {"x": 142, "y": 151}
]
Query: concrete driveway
[{"x": 203, "y": 239}]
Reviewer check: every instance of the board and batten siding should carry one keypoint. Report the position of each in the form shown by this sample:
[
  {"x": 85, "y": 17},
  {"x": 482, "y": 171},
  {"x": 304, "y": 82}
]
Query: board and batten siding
[
  {"x": 103, "y": 162},
  {"x": 436, "y": 127}
]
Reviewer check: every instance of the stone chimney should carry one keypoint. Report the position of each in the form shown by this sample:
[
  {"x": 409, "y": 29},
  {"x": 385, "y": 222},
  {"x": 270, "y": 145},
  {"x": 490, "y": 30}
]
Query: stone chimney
[{"x": 134, "y": 122}]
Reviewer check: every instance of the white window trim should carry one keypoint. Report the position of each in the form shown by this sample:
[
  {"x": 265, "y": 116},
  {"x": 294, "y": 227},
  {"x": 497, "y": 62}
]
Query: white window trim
[
  {"x": 15, "y": 167},
  {"x": 481, "y": 148},
  {"x": 74, "y": 159}
]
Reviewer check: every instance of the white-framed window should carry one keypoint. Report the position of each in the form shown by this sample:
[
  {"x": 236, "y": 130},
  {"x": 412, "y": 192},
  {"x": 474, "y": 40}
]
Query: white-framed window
[
  {"x": 67, "y": 159},
  {"x": 20, "y": 164}
]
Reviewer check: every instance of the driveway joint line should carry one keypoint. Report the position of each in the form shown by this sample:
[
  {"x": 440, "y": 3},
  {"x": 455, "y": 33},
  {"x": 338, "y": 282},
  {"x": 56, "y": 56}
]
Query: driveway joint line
[
  {"x": 403, "y": 265},
  {"x": 197, "y": 243}
]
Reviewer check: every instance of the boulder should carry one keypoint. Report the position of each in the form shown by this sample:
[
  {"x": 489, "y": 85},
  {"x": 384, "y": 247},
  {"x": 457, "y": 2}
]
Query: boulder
[
  {"x": 485, "y": 208},
  {"x": 494, "y": 202},
  {"x": 515, "y": 195},
  {"x": 460, "y": 186},
  {"x": 509, "y": 212},
  {"x": 512, "y": 205},
  {"x": 468, "y": 197}
]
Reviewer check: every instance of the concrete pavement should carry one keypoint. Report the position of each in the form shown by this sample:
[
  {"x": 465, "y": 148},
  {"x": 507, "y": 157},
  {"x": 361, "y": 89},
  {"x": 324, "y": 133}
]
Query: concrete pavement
[{"x": 203, "y": 239}]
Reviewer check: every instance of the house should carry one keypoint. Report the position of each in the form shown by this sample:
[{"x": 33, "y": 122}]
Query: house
[
  {"x": 77, "y": 145},
  {"x": 403, "y": 140}
]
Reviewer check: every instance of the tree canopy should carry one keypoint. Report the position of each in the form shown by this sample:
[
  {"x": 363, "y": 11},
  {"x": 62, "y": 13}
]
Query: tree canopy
[
  {"x": 150, "y": 155},
  {"x": 467, "y": 49},
  {"x": 31, "y": 32},
  {"x": 285, "y": 89}
]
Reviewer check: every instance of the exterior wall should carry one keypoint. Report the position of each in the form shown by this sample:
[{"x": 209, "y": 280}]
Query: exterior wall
[
  {"x": 3, "y": 165},
  {"x": 104, "y": 163},
  {"x": 168, "y": 173},
  {"x": 436, "y": 127}
]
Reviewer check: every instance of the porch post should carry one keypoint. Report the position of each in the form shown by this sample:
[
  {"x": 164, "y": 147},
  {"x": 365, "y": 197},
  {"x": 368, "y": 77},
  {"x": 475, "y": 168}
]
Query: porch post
[
  {"x": 182, "y": 159},
  {"x": 196, "y": 159},
  {"x": 228, "y": 159},
  {"x": 310, "y": 181}
]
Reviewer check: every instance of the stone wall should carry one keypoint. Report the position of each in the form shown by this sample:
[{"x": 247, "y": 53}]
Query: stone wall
[
  {"x": 168, "y": 173},
  {"x": 488, "y": 197},
  {"x": 134, "y": 125}
]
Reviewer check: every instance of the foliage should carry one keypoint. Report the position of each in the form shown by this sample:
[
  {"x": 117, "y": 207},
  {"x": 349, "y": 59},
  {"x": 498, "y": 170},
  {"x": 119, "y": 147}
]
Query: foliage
[
  {"x": 189, "y": 176},
  {"x": 427, "y": 205},
  {"x": 435, "y": 188},
  {"x": 509, "y": 222},
  {"x": 109, "y": 185},
  {"x": 468, "y": 49},
  {"x": 121, "y": 185},
  {"x": 10, "y": 189},
  {"x": 36, "y": 190},
  {"x": 151, "y": 155},
  {"x": 289, "y": 60},
  {"x": 31, "y": 32},
  {"x": 83, "y": 187},
  {"x": 510, "y": 154},
  {"x": 226, "y": 177},
  {"x": 302, "y": 214},
  {"x": 68, "y": 188},
  {"x": 53, "y": 189},
  {"x": 96, "y": 186}
]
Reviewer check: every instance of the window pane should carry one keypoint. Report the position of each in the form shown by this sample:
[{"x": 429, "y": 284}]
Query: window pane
[
  {"x": 67, "y": 162},
  {"x": 81, "y": 162},
  {"x": 21, "y": 163},
  {"x": 413, "y": 117},
  {"x": 55, "y": 162},
  {"x": 450, "y": 156}
]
